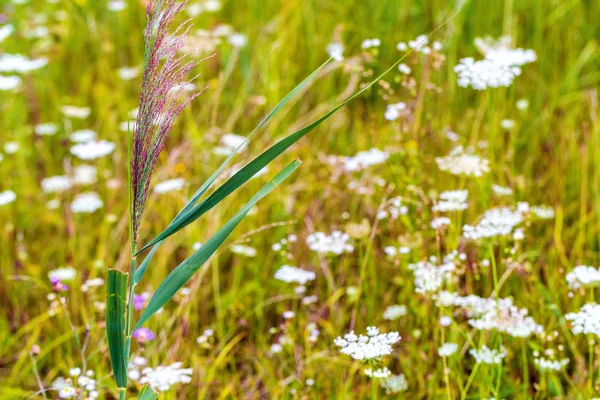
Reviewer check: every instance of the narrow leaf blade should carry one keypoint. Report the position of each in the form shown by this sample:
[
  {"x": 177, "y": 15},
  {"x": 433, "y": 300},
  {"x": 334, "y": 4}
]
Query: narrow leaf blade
[
  {"x": 184, "y": 271},
  {"x": 116, "y": 295},
  {"x": 175, "y": 226},
  {"x": 249, "y": 170},
  {"x": 141, "y": 270},
  {"x": 147, "y": 393}
]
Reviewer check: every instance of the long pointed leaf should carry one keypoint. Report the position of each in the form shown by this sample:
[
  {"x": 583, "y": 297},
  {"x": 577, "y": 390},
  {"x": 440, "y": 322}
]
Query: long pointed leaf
[
  {"x": 116, "y": 295},
  {"x": 147, "y": 393},
  {"x": 139, "y": 272},
  {"x": 184, "y": 271},
  {"x": 208, "y": 183},
  {"x": 194, "y": 199},
  {"x": 250, "y": 169}
]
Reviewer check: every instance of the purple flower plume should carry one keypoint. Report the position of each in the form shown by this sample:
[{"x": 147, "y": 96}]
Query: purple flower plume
[{"x": 161, "y": 99}]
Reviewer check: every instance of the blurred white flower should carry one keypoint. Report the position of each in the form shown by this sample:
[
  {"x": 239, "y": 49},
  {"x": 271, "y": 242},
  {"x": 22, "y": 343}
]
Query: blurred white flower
[
  {"x": 75, "y": 112},
  {"x": 10, "y": 82},
  {"x": 287, "y": 273},
  {"x": 394, "y": 312},
  {"x": 336, "y": 51},
  {"x": 169, "y": 185},
  {"x": 20, "y": 63},
  {"x": 337, "y": 242},
  {"x": 6, "y": 197},
  {"x": 238, "y": 40},
  {"x": 92, "y": 150},
  {"x": 86, "y": 203},
  {"x": 128, "y": 73},
  {"x": 46, "y": 129},
  {"x": 447, "y": 349},
  {"x": 487, "y": 356},
  {"x": 59, "y": 183}
]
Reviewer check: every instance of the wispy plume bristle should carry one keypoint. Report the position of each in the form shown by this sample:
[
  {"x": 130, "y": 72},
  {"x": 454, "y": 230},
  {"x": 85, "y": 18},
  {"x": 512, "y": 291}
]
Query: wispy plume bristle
[{"x": 164, "y": 78}]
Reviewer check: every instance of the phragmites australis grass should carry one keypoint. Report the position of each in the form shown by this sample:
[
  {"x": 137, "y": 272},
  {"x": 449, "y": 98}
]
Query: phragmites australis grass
[{"x": 164, "y": 78}]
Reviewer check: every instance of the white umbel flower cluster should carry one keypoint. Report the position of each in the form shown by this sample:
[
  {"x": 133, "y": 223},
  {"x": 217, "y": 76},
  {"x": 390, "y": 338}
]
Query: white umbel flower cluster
[
  {"x": 489, "y": 313},
  {"x": 452, "y": 200},
  {"x": 447, "y": 349},
  {"x": 486, "y": 355},
  {"x": 499, "y": 67},
  {"x": 583, "y": 275},
  {"x": 545, "y": 364},
  {"x": 290, "y": 274},
  {"x": 394, "y": 312},
  {"x": 429, "y": 278},
  {"x": 495, "y": 222},
  {"x": 586, "y": 320},
  {"x": 364, "y": 159},
  {"x": 461, "y": 162},
  {"x": 162, "y": 378},
  {"x": 336, "y": 243},
  {"x": 367, "y": 347},
  {"x": 484, "y": 74},
  {"x": 394, "y": 384},
  {"x": 379, "y": 373}
]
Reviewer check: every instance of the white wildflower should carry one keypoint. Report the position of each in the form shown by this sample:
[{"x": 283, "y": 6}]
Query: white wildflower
[
  {"x": 379, "y": 373},
  {"x": 7, "y": 197},
  {"x": 394, "y": 384},
  {"x": 484, "y": 74},
  {"x": 75, "y": 112},
  {"x": 162, "y": 378},
  {"x": 83, "y": 136},
  {"x": 487, "y": 356},
  {"x": 586, "y": 320},
  {"x": 393, "y": 111},
  {"x": 371, "y": 346},
  {"x": 502, "y": 191},
  {"x": 459, "y": 162},
  {"x": 364, "y": 159},
  {"x": 169, "y": 185},
  {"x": 447, "y": 349},
  {"x": 287, "y": 273},
  {"x": 20, "y": 63},
  {"x": 452, "y": 200},
  {"x": 336, "y": 51},
  {"x": 11, "y": 82},
  {"x": 92, "y": 150},
  {"x": 394, "y": 312},
  {"x": 86, "y": 203},
  {"x": 337, "y": 242},
  {"x": 582, "y": 276},
  {"x": 495, "y": 222},
  {"x": 243, "y": 250},
  {"x": 59, "y": 183},
  {"x": 46, "y": 129},
  {"x": 63, "y": 274}
]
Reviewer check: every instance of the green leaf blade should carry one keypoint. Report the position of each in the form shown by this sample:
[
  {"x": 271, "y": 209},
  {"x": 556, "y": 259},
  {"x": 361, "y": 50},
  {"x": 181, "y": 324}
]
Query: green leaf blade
[
  {"x": 141, "y": 270},
  {"x": 184, "y": 271},
  {"x": 147, "y": 393},
  {"x": 116, "y": 295}
]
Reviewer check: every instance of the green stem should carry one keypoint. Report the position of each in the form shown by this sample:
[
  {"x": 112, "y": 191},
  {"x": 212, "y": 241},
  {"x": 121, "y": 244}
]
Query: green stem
[{"x": 129, "y": 317}]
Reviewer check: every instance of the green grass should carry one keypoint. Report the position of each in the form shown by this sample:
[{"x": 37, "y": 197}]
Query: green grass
[{"x": 551, "y": 156}]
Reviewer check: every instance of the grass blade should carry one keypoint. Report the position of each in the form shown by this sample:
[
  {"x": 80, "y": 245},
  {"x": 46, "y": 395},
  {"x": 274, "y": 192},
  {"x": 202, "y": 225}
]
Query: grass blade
[
  {"x": 184, "y": 271},
  {"x": 139, "y": 272},
  {"x": 116, "y": 295},
  {"x": 147, "y": 393},
  {"x": 194, "y": 199},
  {"x": 186, "y": 211},
  {"x": 250, "y": 169}
]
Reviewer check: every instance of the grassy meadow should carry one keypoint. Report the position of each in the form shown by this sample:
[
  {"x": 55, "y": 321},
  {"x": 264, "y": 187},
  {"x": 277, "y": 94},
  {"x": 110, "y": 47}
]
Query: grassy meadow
[{"x": 530, "y": 148}]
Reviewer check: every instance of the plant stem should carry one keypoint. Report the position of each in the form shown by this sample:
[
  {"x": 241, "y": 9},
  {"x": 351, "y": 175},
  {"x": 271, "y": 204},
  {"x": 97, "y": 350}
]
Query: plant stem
[{"x": 129, "y": 316}]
